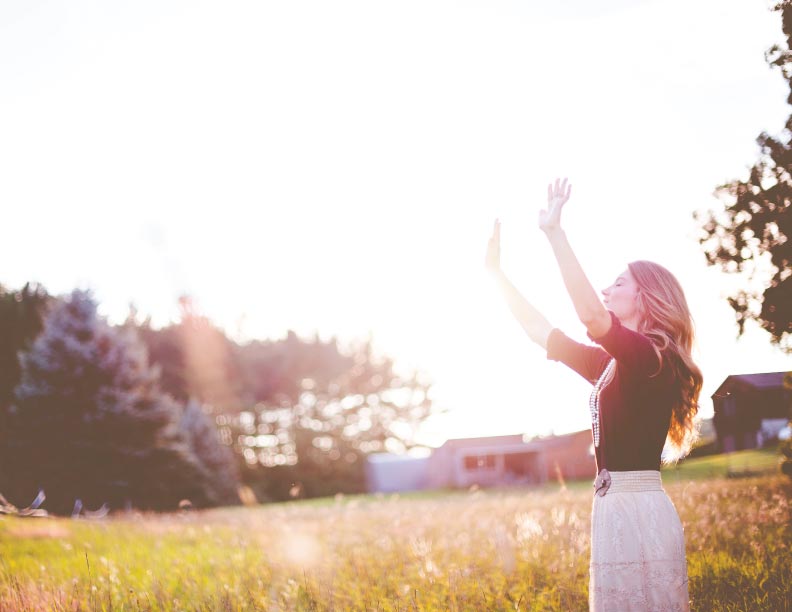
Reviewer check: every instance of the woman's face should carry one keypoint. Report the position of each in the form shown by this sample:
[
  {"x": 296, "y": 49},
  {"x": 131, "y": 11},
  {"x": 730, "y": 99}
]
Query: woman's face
[{"x": 621, "y": 298}]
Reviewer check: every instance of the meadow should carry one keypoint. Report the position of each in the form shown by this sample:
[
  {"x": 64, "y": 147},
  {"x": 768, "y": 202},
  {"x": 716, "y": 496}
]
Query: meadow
[{"x": 510, "y": 550}]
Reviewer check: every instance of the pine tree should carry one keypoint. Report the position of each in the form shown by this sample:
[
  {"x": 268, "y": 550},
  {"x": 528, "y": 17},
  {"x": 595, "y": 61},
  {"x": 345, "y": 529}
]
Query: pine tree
[
  {"x": 219, "y": 469},
  {"x": 90, "y": 423},
  {"x": 21, "y": 318}
]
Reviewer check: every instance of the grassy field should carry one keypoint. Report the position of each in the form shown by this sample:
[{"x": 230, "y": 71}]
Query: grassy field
[
  {"x": 479, "y": 550},
  {"x": 736, "y": 465}
]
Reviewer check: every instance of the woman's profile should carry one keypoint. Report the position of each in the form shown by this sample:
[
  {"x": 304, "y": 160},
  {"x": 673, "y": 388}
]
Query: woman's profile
[{"x": 644, "y": 398}]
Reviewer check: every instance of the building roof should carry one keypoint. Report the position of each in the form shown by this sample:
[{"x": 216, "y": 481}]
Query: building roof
[
  {"x": 484, "y": 441},
  {"x": 512, "y": 443},
  {"x": 759, "y": 381}
]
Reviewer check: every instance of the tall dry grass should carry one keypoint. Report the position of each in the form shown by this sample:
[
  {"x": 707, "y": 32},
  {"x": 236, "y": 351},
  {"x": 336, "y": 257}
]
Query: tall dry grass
[{"x": 483, "y": 550}]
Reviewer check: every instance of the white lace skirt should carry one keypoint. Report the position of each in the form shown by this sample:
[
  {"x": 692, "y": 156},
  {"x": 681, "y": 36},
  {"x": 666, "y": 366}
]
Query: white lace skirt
[{"x": 637, "y": 547}]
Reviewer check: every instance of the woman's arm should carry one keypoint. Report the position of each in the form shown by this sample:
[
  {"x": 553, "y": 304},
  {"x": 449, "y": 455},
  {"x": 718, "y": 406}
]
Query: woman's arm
[
  {"x": 533, "y": 322},
  {"x": 590, "y": 310}
]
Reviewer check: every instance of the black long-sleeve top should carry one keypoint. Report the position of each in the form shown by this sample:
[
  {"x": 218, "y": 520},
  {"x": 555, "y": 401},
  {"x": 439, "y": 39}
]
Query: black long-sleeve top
[{"x": 635, "y": 407}]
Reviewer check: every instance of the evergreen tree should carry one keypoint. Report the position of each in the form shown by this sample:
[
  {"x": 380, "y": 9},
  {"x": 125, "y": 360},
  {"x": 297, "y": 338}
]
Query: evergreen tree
[
  {"x": 219, "y": 469},
  {"x": 90, "y": 423},
  {"x": 21, "y": 319}
]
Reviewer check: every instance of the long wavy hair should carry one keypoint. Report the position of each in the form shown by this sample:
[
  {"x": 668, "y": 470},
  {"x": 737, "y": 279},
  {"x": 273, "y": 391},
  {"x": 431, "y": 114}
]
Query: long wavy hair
[{"x": 666, "y": 320}]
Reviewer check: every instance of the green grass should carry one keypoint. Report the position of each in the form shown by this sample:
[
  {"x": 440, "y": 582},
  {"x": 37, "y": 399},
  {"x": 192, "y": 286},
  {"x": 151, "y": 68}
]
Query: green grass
[
  {"x": 737, "y": 464},
  {"x": 479, "y": 550}
]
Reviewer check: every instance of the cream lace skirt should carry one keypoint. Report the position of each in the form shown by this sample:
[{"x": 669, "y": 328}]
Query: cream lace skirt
[{"x": 637, "y": 547}]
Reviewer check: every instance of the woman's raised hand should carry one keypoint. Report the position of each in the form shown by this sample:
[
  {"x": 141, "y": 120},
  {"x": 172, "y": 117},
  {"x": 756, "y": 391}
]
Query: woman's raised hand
[
  {"x": 557, "y": 196},
  {"x": 492, "y": 259}
]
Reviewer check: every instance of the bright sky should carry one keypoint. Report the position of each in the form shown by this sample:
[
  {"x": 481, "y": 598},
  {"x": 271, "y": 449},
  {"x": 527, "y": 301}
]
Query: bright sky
[{"x": 337, "y": 167}]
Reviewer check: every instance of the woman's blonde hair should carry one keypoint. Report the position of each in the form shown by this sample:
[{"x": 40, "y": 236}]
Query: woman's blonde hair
[{"x": 666, "y": 320}]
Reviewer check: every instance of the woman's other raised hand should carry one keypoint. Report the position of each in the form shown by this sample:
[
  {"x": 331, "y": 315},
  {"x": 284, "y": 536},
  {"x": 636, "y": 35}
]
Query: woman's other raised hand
[
  {"x": 492, "y": 259},
  {"x": 557, "y": 196}
]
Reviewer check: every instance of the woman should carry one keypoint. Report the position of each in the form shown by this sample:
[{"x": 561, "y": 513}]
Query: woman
[{"x": 645, "y": 396}]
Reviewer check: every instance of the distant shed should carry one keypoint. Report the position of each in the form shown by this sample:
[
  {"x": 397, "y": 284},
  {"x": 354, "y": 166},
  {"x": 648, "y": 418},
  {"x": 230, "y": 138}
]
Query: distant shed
[
  {"x": 387, "y": 473},
  {"x": 750, "y": 409}
]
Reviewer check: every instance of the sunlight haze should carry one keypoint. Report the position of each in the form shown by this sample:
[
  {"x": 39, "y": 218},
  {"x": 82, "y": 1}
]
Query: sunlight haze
[{"x": 336, "y": 168}]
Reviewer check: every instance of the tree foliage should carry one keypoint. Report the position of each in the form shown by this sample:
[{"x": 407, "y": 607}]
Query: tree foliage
[
  {"x": 93, "y": 420},
  {"x": 338, "y": 407},
  {"x": 196, "y": 360},
  {"x": 88, "y": 422},
  {"x": 218, "y": 473},
  {"x": 299, "y": 412},
  {"x": 751, "y": 235},
  {"x": 21, "y": 319}
]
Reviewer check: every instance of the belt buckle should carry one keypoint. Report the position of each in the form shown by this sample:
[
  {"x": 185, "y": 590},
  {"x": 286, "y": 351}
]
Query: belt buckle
[{"x": 602, "y": 483}]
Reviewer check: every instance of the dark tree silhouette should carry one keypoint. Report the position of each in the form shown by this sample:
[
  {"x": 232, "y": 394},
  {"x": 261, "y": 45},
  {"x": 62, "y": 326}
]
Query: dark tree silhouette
[
  {"x": 22, "y": 314},
  {"x": 21, "y": 319},
  {"x": 753, "y": 234},
  {"x": 89, "y": 422}
]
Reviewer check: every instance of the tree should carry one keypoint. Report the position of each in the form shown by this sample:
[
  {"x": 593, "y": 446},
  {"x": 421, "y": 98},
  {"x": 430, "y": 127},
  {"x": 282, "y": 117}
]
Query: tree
[
  {"x": 322, "y": 411},
  {"x": 296, "y": 410},
  {"x": 752, "y": 235},
  {"x": 195, "y": 358},
  {"x": 219, "y": 471},
  {"x": 21, "y": 319},
  {"x": 89, "y": 421}
]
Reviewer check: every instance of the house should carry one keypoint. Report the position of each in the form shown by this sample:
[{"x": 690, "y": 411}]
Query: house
[
  {"x": 487, "y": 462},
  {"x": 751, "y": 409}
]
